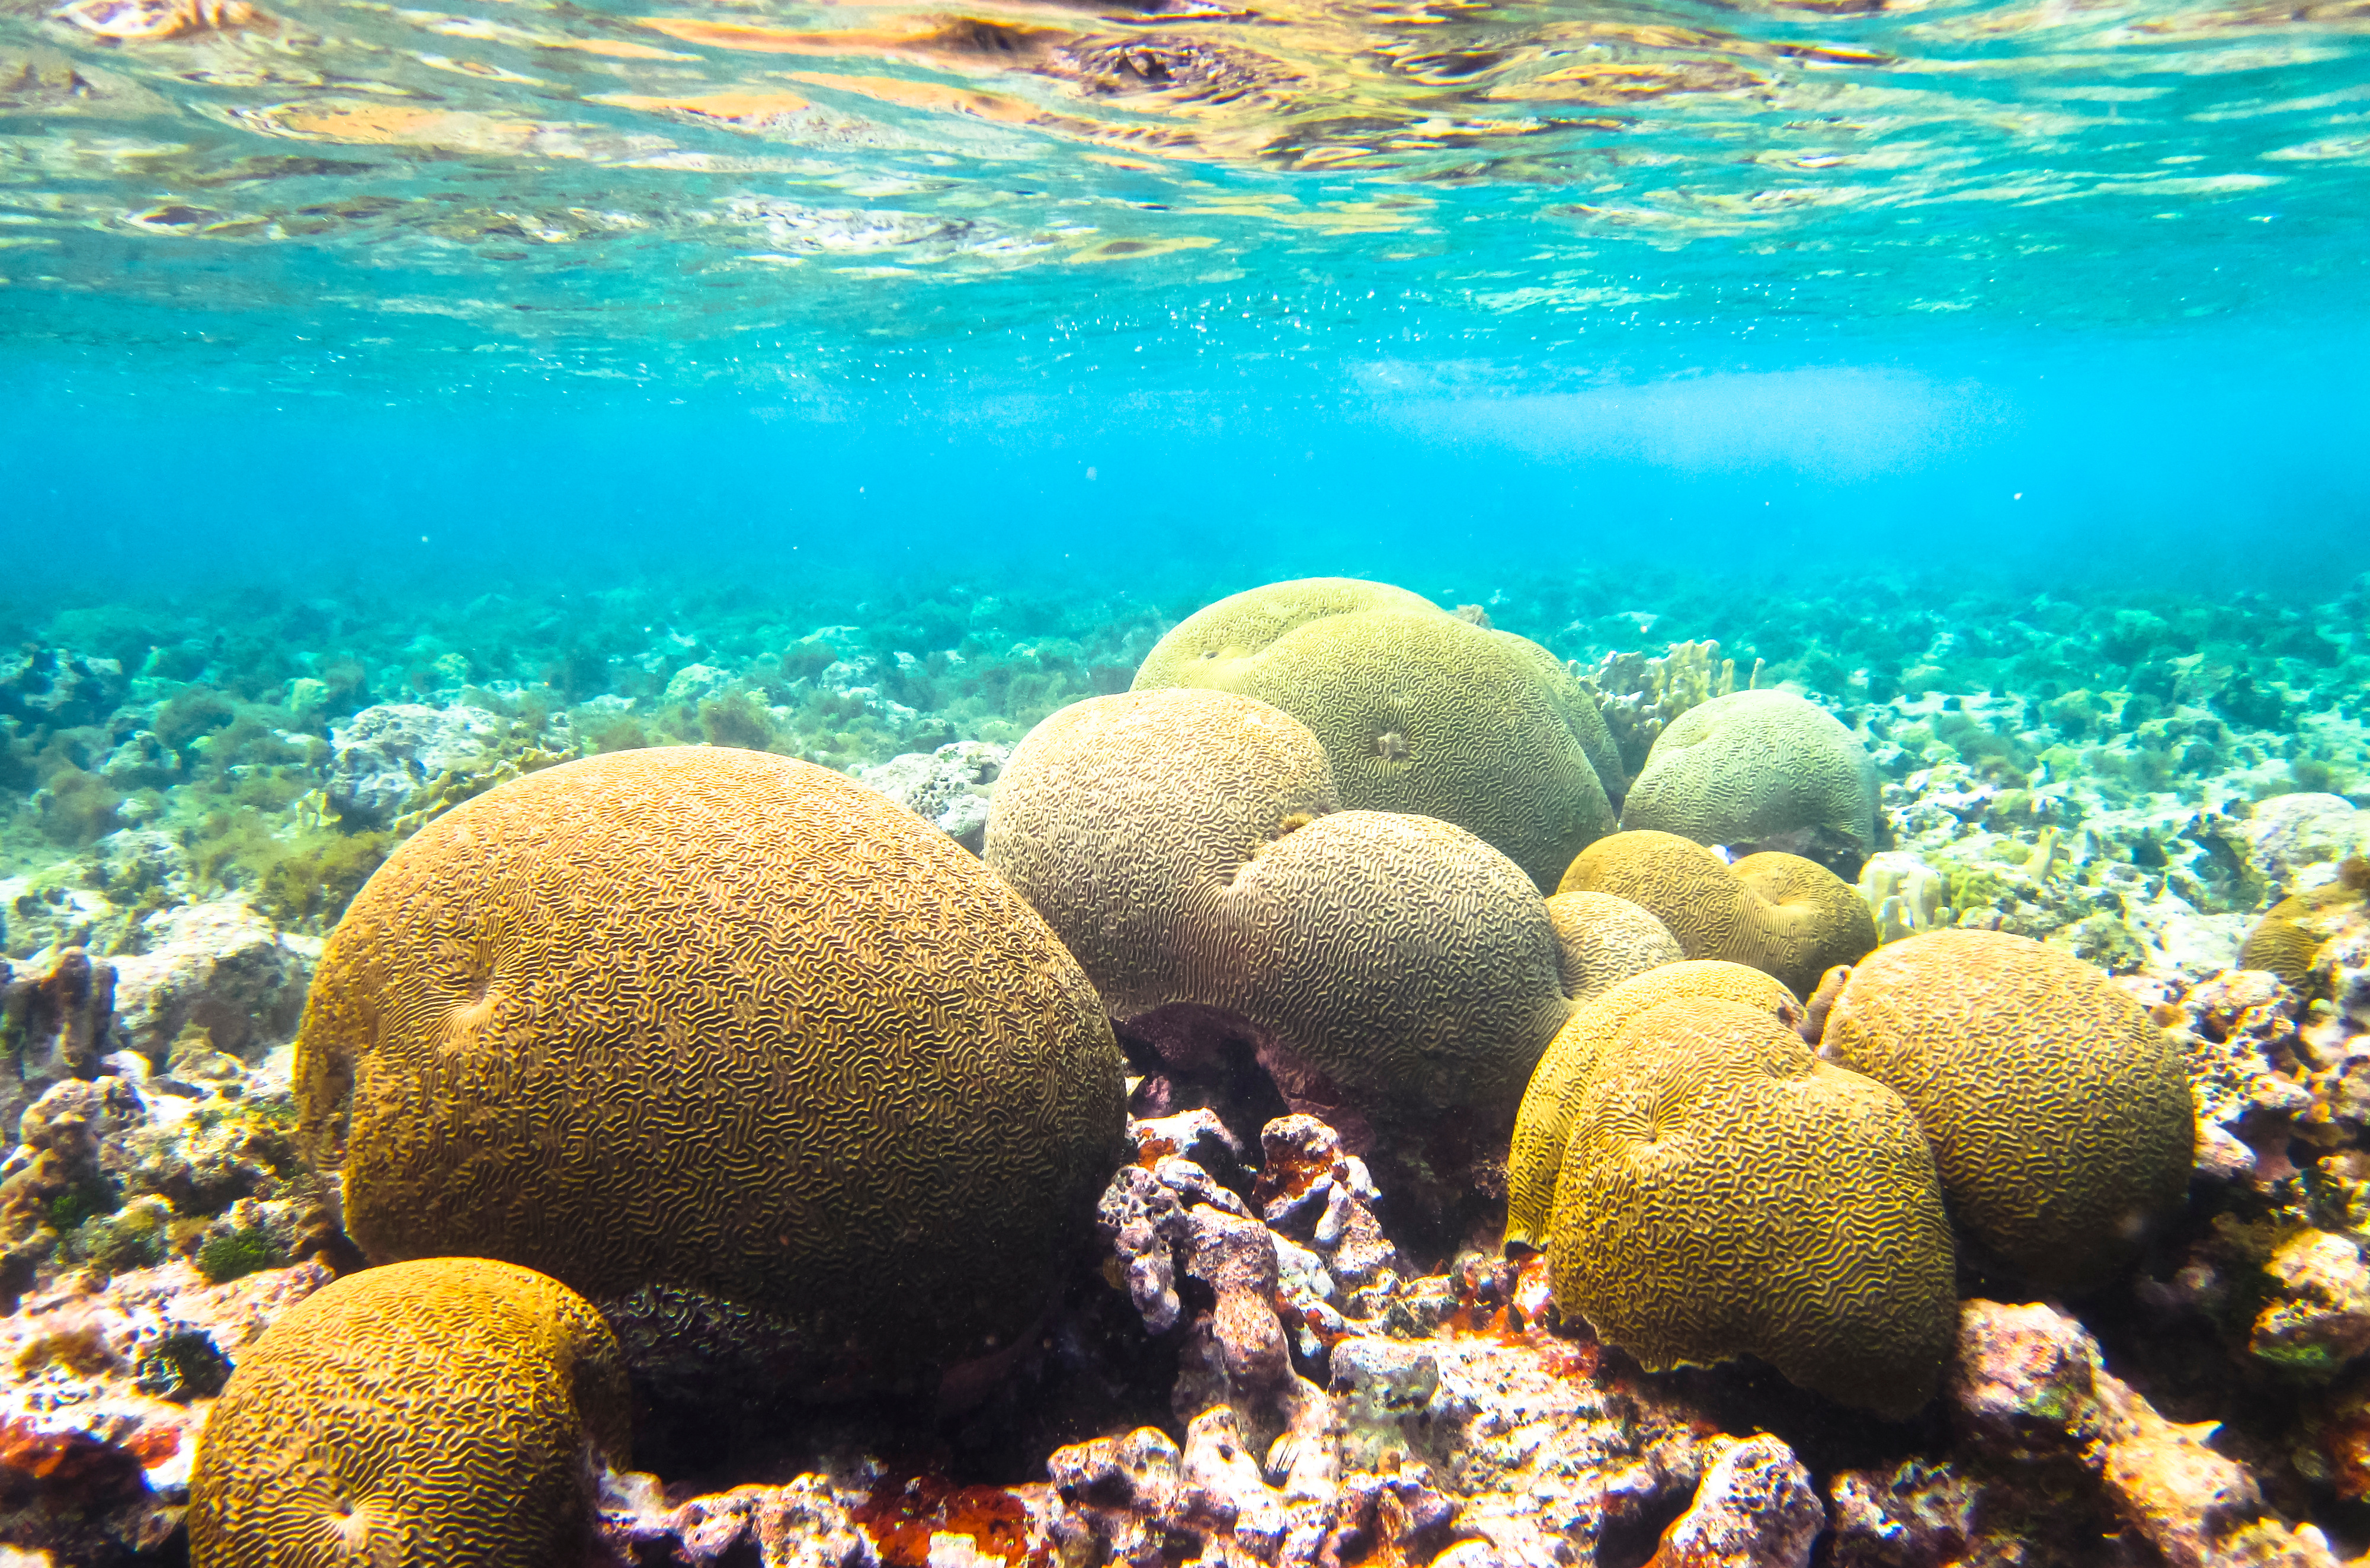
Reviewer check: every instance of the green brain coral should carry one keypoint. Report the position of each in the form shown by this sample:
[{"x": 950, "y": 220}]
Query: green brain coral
[
  {"x": 715, "y": 1021},
  {"x": 2059, "y": 1113},
  {"x": 1726, "y": 1193},
  {"x": 1543, "y": 1125},
  {"x": 1418, "y": 711},
  {"x": 1185, "y": 846},
  {"x": 443, "y": 1413},
  {"x": 1760, "y": 771},
  {"x": 1780, "y": 913}
]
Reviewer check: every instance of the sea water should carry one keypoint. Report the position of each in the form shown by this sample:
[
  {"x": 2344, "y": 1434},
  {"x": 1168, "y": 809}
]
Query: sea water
[{"x": 848, "y": 381}]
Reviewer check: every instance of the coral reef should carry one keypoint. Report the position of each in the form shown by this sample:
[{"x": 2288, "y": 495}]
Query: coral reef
[
  {"x": 447, "y": 1411},
  {"x": 1778, "y": 912},
  {"x": 750, "y": 955},
  {"x": 1418, "y": 710},
  {"x": 2058, "y": 1110},
  {"x": 2135, "y": 780},
  {"x": 1184, "y": 844},
  {"x": 1758, "y": 771}
]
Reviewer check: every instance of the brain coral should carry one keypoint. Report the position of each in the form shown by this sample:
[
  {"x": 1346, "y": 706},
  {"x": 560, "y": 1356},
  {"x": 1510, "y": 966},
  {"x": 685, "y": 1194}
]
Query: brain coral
[
  {"x": 1726, "y": 1193},
  {"x": 722, "y": 1022},
  {"x": 1418, "y": 711},
  {"x": 2289, "y": 938},
  {"x": 1760, "y": 769},
  {"x": 1543, "y": 1125},
  {"x": 2058, "y": 1112},
  {"x": 1790, "y": 917},
  {"x": 1607, "y": 939},
  {"x": 423, "y": 1415},
  {"x": 1184, "y": 844}
]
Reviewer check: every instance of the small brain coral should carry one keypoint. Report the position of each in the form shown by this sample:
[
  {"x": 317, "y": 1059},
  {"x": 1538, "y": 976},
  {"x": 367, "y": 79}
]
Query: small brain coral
[
  {"x": 1607, "y": 939},
  {"x": 1184, "y": 844},
  {"x": 709, "y": 1020},
  {"x": 442, "y": 1414},
  {"x": 1418, "y": 710},
  {"x": 2059, "y": 1113},
  {"x": 1543, "y": 1125},
  {"x": 1726, "y": 1193},
  {"x": 2288, "y": 939},
  {"x": 1780, "y": 913},
  {"x": 1761, "y": 771}
]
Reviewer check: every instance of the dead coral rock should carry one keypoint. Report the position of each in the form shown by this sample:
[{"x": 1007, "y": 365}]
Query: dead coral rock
[
  {"x": 1917, "y": 1516},
  {"x": 2029, "y": 1388},
  {"x": 949, "y": 788},
  {"x": 1753, "y": 1508},
  {"x": 54, "y": 1025},
  {"x": 802, "y": 1523},
  {"x": 2318, "y": 1318},
  {"x": 1115, "y": 1498},
  {"x": 218, "y": 967},
  {"x": 1319, "y": 1193}
]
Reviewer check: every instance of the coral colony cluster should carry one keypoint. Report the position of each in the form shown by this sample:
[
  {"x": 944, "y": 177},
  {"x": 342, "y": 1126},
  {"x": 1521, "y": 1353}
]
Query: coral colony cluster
[{"x": 1361, "y": 1089}]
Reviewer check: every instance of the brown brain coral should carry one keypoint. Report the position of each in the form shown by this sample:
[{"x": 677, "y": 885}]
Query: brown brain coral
[
  {"x": 1764, "y": 771},
  {"x": 2059, "y": 1113},
  {"x": 722, "y": 1022},
  {"x": 1543, "y": 1125},
  {"x": 1183, "y": 843},
  {"x": 1726, "y": 1193},
  {"x": 1418, "y": 711},
  {"x": 1779, "y": 913},
  {"x": 420, "y": 1415}
]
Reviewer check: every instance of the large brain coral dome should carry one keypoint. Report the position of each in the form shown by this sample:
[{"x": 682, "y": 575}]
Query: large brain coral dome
[
  {"x": 2059, "y": 1113},
  {"x": 1780, "y": 913},
  {"x": 1726, "y": 1193},
  {"x": 432, "y": 1414},
  {"x": 1761, "y": 771},
  {"x": 1418, "y": 711},
  {"x": 1184, "y": 844},
  {"x": 721, "y": 1021}
]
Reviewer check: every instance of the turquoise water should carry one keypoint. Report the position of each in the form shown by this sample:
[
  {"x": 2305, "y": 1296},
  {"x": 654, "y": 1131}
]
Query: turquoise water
[{"x": 2058, "y": 289}]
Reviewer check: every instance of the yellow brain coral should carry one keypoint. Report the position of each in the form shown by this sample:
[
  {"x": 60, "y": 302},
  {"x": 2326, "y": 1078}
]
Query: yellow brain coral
[
  {"x": 1779, "y": 913},
  {"x": 1184, "y": 844},
  {"x": 1543, "y": 1125},
  {"x": 722, "y": 1022},
  {"x": 2288, "y": 939},
  {"x": 1726, "y": 1193},
  {"x": 426, "y": 1415},
  {"x": 1761, "y": 771},
  {"x": 1419, "y": 711},
  {"x": 2059, "y": 1113}
]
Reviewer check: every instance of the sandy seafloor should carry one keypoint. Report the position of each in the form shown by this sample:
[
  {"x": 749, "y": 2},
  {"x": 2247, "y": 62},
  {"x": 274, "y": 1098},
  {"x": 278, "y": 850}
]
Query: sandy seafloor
[{"x": 191, "y": 791}]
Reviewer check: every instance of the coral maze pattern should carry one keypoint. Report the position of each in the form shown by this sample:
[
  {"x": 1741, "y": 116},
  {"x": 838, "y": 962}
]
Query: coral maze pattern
[
  {"x": 434, "y": 1413},
  {"x": 718, "y": 1020},
  {"x": 1725, "y": 1191}
]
